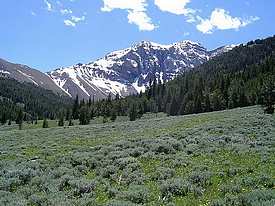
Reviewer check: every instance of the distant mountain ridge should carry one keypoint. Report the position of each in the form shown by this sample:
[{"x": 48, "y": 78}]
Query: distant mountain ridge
[
  {"x": 122, "y": 72},
  {"x": 130, "y": 70},
  {"x": 23, "y": 73}
]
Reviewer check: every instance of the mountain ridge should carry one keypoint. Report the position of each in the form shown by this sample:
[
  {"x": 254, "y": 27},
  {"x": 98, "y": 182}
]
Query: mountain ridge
[
  {"x": 23, "y": 73},
  {"x": 124, "y": 72},
  {"x": 130, "y": 70}
]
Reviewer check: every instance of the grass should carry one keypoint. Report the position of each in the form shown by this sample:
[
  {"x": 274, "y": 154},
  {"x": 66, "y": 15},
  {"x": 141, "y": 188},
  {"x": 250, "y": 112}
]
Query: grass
[{"x": 220, "y": 158}]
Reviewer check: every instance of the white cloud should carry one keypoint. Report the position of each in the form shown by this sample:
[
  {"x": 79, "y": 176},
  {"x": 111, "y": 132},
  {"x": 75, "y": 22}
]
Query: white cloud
[
  {"x": 178, "y": 7},
  {"x": 59, "y": 3},
  {"x": 74, "y": 21},
  {"x": 138, "y": 5},
  {"x": 222, "y": 20},
  {"x": 174, "y": 6},
  {"x": 78, "y": 19},
  {"x": 186, "y": 34},
  {"x": 33, "y": 13},
  {"x": 141, "y": 19},
  {"x": 136, "y": 12},
  {"x": 68, "y": 22},
  {"x": 49, "y": 5},
  {"x": 66, "y": 11}
]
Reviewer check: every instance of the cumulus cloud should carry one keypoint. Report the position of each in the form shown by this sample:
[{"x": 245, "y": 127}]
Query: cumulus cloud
[
  {"x": 141, "y": 19},
  {"x": 174, "y": 6},
  {"x": 78, "y": 19},
  {"x": 222, "y": 20},
  {"x": 49, "y": 6},
  {"x": 68, "y": 22},
  {"x": 136, "y": 12},
  {"x": 74, "y": 21},
  {"x": 66, "y": 11}
]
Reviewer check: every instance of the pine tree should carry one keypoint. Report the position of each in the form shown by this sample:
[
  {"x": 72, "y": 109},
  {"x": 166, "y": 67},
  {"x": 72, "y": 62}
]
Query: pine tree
[
  {"x": 154, "y": 107},
  {"x": 61, "y": 120},
  {"x": 140, "y": 110},
  {"x": 207, "y": 106},
  {"x": 75, "y": 111},
  {"x": 113, "y": 115},
  {"x": 269, "y": 100},
  {"x": 45, "y": 123},
  {"x": 71, "y": 122},
  {"x": 117, "y": 97},
  {"x": 90, "y": 102},
  {"x": 19, "y": 119},
  {"x": 84, "y": 116},
  {"x": 133, "y": 112},
  {"x": 163, "y": 90},
  {"x": 105, "y": 119},
  {"x": 154, "y": 88},
  {"x": 36, "y": 119},
  {"x": 4, "y": 118},
  {"x": 68, "y": 114},
  {"x": 92, "y": 112},
  {"x": 173, "y": 110},
  {"x": 189, "y": 107}
]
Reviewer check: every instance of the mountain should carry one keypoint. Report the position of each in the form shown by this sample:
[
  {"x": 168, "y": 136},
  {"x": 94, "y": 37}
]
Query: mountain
[
  {"x": 129, "y": 71},
  {"x": 243, "y": 76},
  {"x": 26, "y": 74},
  {"x": 34, "y": 100}
]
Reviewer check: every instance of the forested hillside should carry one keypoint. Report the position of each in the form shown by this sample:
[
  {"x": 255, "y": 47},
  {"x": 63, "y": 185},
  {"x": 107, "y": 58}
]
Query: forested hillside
[
  {"x": 34, "y": 101},
  {"x": 238, "y": 78}
]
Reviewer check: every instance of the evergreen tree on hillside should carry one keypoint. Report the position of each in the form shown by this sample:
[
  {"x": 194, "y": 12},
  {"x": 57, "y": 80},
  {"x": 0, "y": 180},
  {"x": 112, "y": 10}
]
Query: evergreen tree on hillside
[
  {"x": 140, "y": 110},
  {"x": 92, "y": 112},
  {"x": 113, "y": 115},
  {"x": 207, "y": 103},
  {"x": 90, "y": 102},
  {"x": 173, "y": 110},
  {"x": 71, "y": 122},
  {"x": 68, "y": 114},
  {"x": 133, "y": 112},
  {"x": 269, "y": 100},
  {"x": 61, "y": 120},
  {"x": 84, "y": 116},
  {"x": 4, "y": 118},
  {"x": 19, "y": 118},
  {"x": 75, "y": 110},
  {"x": 45, "y": 123}
]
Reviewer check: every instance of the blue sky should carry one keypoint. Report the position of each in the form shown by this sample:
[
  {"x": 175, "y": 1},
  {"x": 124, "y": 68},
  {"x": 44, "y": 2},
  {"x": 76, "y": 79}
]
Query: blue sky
[{"x": 47, "y": 34}]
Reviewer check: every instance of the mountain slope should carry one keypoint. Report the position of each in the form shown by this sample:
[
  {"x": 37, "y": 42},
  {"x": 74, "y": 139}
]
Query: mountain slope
[
  {"x": 26, "y": 74},
  {"x": 241, "y": 77},
  {"x": 33, "y": 99},
  {"x": 129, "y": 71}
]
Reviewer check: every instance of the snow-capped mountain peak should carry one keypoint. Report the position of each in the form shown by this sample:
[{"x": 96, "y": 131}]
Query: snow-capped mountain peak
[{"x": 130, "y": 70}]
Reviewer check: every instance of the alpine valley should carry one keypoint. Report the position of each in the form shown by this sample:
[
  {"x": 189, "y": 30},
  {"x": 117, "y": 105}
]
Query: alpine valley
[{"x": 122, "y": 72}]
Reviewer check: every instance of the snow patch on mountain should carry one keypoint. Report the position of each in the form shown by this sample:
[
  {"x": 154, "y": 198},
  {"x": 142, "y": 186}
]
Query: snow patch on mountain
[
  {"x": 29, "y": 77},
  {"x": 4, "y": 72}
]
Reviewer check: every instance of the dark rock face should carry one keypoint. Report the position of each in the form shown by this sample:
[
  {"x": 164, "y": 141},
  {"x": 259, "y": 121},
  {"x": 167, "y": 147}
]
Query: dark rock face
[{"x": 130, "y": 70}]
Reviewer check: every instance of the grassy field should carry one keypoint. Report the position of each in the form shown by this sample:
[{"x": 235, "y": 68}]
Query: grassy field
[{"x": 220, "y": 158}]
